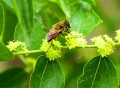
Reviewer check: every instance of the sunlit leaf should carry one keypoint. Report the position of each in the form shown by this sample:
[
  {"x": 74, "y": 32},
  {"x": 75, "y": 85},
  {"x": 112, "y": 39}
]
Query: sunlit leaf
[
  {"x": 1, "y": 19},
  {"x": 9, "y": 26},
  {"x": 24, "y": 11},
  {"x": 36, "y": 37},
  {"x": 52, "y": 14},
  {"x": 64, "y": 6},
  {"x": 26, "y": 30},
  {"x": 92, "y": 2},
  {"x": 8, "y": 4},
  {"x": 39, "y": 4},
  {"x": 5, "y": 54},
  {"x": 83, "y": 18},
  {"x": 19, "y": 34},
  {"x": 38, "y": 34}
]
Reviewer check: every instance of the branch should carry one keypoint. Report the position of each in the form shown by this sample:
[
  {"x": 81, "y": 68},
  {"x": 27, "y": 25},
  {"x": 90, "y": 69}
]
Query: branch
[{"x": 64, "y": 47}]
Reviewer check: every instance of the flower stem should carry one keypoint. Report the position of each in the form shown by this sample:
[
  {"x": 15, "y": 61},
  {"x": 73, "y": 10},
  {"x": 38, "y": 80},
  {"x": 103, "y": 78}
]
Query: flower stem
[{"x": 29, "y": 52}]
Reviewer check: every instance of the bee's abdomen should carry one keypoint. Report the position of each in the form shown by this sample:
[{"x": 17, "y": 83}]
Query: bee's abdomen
[
  {"x": 52, "y": 34},
  {"x": 49, "y": 37}
]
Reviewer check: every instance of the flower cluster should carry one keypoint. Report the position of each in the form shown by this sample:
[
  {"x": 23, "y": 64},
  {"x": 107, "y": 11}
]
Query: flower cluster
[
  {"x": 118, "y": 36},
  {"x": 16, "y": 46},
  {"x": 52, "y": 49},
  {"x": 45, "y": 45},
  {"x": 75, "y": 40},
  {"x": 105, "y": 44}
]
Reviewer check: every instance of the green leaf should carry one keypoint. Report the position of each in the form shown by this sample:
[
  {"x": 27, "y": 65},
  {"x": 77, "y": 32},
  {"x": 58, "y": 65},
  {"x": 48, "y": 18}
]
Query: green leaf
[
  {"x": 52, "y": 14},
  {"x": 83, "y": 18},
  {"x": 92, "y": 2},
  {"x": 38, "y": 6},
  {"x": 9, "y": 25},
  {"x": 38, "y": 34},
  {"x": 47, "y": 74},
  {"x": 8, "y": 4},
  {"x": 5, "y": 54},
  {"x": 1, "y": 19},
  {"x": 64, "y": 6},
  {"x": 70, "y": 2},
  {"x": 13, "y": 78},
  {"x": 19, "y": 34},
  {"x": 36, "y": 37},
  {"x": 31, "y": 36},
  {"x": 24, "y": 11},
  {"x": 98, "y": 73}
]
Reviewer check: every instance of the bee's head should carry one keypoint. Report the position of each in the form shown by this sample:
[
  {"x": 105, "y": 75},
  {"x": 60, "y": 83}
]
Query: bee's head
[{"x": 67, "y": 23}]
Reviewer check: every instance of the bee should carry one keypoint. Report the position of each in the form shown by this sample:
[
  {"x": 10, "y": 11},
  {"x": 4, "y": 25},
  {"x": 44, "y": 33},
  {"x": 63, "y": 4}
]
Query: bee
[{"x": 57, "y": 29}]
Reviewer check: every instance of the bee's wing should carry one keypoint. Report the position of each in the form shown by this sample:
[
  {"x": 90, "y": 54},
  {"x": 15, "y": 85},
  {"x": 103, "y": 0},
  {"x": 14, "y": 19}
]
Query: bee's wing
[{"x": 52, "y": 34}]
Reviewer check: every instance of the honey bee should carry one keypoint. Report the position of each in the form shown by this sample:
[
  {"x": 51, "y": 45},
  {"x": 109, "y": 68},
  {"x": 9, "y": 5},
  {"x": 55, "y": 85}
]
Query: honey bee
[{"x": 57, "y": 29}]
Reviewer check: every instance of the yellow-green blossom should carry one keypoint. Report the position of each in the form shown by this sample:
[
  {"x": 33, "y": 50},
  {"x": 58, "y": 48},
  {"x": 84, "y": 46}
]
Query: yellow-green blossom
[
  {"x": 52, "y": 49},
  {"x": 17, "y": 46},
  {"x": 118, "y": 36},
  {"x": 56, "y": 44},
  {"x": 75, "y": 39},
  {"x": 45, "y": 45},
  {"x": 53, "y": 54},
  {"x": 105, "y": 45},
  {"x": 99, "y": 41}
]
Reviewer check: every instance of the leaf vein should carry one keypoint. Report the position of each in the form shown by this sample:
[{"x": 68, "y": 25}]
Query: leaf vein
[
  {"x": 96, "y": 72},
  {"x": 55, "y": 72},
  {"x": 43, "y": 74}
]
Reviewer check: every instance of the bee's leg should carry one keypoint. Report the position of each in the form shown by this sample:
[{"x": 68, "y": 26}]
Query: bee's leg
[
  {"x": 68, "y": 31},
  {"x": 49, "y": 46},
  {"x": 64, "y": 37}
]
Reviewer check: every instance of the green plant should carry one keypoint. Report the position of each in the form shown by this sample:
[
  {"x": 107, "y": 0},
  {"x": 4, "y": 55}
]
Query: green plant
[{"x": 22, "y": 29}]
